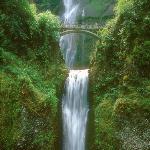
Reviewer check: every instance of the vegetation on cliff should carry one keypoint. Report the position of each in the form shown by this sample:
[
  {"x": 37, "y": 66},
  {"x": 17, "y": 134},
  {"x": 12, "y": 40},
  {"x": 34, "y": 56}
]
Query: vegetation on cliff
[
  {"x": 32, "y": 72},
  {"x": 120, "y": 79},
  {"x": 44, "y": 5},
  {"x": 98, "y": 11},
  {"x": 32, "y": 75}
]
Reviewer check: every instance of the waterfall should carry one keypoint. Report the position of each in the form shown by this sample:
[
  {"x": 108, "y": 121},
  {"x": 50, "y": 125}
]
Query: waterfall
[
  {"x": 75, "y": 110},
  {"x": 74, "y": 101},
  {"x": 68, "y": 42}
]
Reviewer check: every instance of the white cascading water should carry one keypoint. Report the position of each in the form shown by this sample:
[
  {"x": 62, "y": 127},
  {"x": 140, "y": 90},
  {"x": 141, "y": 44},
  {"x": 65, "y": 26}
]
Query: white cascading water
[
  {"x": 68, "y": 42},
  {"x": 74, "y": 102},
  {"x": 75, "y": 110}
]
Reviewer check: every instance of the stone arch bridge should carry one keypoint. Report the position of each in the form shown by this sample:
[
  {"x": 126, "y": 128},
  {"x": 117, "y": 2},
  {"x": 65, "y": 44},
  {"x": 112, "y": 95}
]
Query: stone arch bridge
[{"x": 88, "y": 29}]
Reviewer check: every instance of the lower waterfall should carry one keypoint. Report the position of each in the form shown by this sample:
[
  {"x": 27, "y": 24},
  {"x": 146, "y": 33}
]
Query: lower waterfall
[{"x": 75, "y": 110}]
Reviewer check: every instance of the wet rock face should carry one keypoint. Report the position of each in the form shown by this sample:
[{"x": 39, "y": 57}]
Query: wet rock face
[
  {"x": 97, "y": 8},
  {"x": 94, "y": 9}
]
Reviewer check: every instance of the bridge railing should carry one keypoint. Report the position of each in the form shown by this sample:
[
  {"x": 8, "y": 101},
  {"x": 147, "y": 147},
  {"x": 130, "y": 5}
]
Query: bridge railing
[{"x": 78, "y": 26}]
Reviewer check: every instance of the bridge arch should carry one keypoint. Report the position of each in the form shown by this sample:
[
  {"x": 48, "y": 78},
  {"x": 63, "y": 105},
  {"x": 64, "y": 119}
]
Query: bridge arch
[{"x": 79, "y": 31}]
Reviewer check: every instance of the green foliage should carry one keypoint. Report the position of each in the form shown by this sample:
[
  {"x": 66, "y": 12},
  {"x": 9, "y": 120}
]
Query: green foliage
[
  {"x": 141, "y": 52},
  {"x": 120, "y": 78},
  {"x": 106, "y": 133},
  {"x": 23, "y": 29},
  {"x": 44, "y": 5},
  {"x": 32, "y": 72},
  {"x": 49, "y": 24}
]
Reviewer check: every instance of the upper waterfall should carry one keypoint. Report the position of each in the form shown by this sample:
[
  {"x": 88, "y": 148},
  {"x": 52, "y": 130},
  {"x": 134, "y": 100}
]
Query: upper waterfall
[
  {"x": 68, "y": 42},
  {"x": 70, "y": 11}
]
